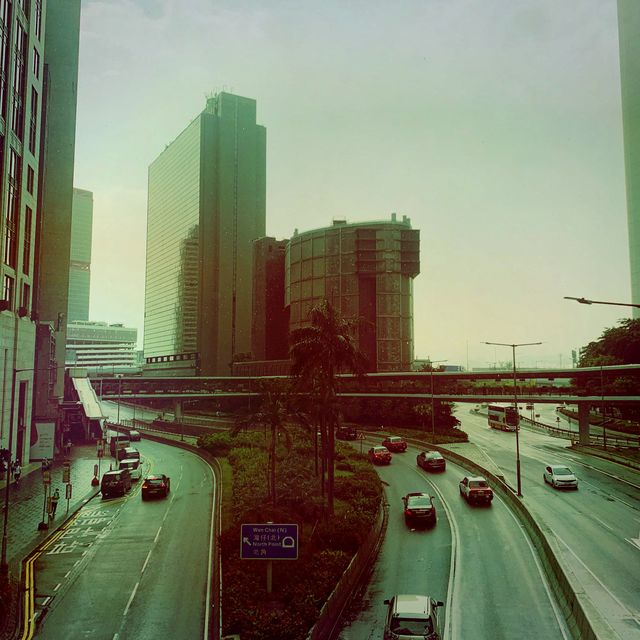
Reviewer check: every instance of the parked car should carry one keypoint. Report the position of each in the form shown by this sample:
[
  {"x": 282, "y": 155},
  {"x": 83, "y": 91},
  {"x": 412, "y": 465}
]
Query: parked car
[
  {"x": 346, "y": 433},
  {"x": 134, "y": 436},
  {"x": 128, "y": 453},
  {"x": 133, "y": 464},
  {"x": 412, "y": 616},
  {"x": 560, "y": 476},
  {"x": 116, "y": 483},
  {"x": 395, "y": 444},
  {"x": 380, "y": 455},
  {"x": 431, "y": 461},
  {"x": 476, "y": 489},
  {"x": 156, "y": 485},
  {"x": 419, "y": 509}
]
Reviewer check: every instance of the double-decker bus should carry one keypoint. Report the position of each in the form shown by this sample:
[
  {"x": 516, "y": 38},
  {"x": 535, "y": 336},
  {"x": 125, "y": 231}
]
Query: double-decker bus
[{"x": 503, "y": 416}]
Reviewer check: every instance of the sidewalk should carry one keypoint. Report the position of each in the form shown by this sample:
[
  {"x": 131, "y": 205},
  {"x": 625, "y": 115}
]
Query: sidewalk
[{"x": 27, "y": 500}]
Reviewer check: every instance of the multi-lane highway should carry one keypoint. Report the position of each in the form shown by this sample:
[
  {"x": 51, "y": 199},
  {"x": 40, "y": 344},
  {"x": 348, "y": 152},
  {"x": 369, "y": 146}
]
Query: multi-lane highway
[
  {"x": 477, "y": 560},
  {"x": 132, "y": 569}
]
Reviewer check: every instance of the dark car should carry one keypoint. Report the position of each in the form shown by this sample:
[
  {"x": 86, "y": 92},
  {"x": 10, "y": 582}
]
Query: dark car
[
  {"x": 419, "y": 509},
  {"x": 379, "y": 455},
  {"x": 431, "y": 461},
  {"x": 134, "y": 436},
  {"x": 395, "y": 444},
  {"x": 476, "y": 489},
  {"x": 115, "y": 483},
  {"x": 158, "y": 485},
  {"x": 346, "y": 433}
]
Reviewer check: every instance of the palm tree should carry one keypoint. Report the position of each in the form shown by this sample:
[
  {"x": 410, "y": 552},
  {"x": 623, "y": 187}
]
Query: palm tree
[{"x": 319, "y": 351}]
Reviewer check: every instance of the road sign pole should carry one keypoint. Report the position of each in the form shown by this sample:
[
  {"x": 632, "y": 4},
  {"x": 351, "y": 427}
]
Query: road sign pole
[{"x": 269, "y": 576}]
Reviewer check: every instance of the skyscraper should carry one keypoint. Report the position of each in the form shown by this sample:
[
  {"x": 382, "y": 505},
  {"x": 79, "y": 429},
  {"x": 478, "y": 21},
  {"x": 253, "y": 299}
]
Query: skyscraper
[
  {"x": 629, "y": 36},
  {"x": 206, "y": 205},
  {"x": 80, "y": 267}
]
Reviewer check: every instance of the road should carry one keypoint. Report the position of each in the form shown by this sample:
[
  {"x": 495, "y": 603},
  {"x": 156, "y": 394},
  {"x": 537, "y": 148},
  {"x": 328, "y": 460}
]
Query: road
[
  {"x": 477, "y": 560},
  {"x": 132, "y": 569},
  {"x": 597, "y": 528}
]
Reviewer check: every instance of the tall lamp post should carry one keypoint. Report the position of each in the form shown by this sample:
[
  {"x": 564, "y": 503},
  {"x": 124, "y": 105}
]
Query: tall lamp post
[
  {"x": 515, "y": 402},
  {"x": 617, "y": 304},
  {"x": 433, "y": 416}
]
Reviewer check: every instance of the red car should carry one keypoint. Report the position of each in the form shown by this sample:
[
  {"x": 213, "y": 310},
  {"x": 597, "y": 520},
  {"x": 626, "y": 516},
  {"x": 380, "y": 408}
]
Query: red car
[
  {"x": 379, "y": 455},
  {"x": 395, "y": 444}
]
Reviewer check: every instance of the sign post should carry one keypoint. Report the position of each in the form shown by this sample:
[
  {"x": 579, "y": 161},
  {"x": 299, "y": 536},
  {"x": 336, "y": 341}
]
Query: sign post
[
  {"x": 67, "y": 494},
  {"x": 46, "y": 483},
  {"x": 269, "y": 542}
]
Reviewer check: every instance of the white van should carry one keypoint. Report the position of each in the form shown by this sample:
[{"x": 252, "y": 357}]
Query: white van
[{"x": 133, "y": 464}]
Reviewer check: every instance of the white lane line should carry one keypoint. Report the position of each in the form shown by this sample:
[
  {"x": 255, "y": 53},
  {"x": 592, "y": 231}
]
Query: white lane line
[
  {"x": 604, "y": 524},
  {"x": 554, "y": 605},
  {"x": 131, "y": 597},
  {"x": 157, "y": 535},
  {"x": 66, "y": 575},
  {"x": 144, "y": 566},
  {"x": 212, "y": 535},
  {"x": 57, "y": 586}
]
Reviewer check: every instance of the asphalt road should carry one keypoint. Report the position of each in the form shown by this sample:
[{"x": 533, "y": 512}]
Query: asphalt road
[
  {"x": 597, "y": 528},
  {"x": 133, "y": 569},
  {"x": 476, "y": 559}
]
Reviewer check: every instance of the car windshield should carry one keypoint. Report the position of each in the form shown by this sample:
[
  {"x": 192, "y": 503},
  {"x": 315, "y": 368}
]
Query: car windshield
[
  {"x": 154, "y": 481},
  {"x": 478, "y": 483},
  {"x": 434, "y": 456},
  {"x": 562, "y": 471},
  {"x": 411, "y": 627},
  {"x": 395, "y": 439},
  {"x": 419, "y": 501}
]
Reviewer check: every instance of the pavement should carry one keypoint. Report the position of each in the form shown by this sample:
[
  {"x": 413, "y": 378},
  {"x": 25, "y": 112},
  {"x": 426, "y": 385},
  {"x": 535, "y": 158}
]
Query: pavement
[{"x": 26, "y": 501}]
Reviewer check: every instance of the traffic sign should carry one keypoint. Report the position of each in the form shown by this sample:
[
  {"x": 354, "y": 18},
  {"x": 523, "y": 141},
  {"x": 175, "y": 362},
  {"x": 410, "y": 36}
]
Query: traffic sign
[
  {"x": 66, "y": 472},
  {"x": 46, "y": 477},
  {"x": 269, "y": 542},
  {"x": 68, "y": 492}
]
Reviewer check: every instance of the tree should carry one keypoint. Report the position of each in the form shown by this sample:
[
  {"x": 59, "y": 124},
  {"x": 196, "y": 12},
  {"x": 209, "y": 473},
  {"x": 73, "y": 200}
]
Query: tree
[
  {"x": 616, "y": 345},
  {"x": 319, "y": 351}
]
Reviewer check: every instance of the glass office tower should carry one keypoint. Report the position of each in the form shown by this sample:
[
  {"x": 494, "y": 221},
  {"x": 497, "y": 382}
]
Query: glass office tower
[
  {"x": 80, "y": 266},
  {"x": 206, "y": 206},
  {"x": 629, "y": 33},
  {"x": 366, "y": 271}
]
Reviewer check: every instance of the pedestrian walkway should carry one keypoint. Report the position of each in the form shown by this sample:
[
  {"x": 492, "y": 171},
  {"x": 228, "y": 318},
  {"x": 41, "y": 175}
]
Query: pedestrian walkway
[{"x": 26, "y": 502}]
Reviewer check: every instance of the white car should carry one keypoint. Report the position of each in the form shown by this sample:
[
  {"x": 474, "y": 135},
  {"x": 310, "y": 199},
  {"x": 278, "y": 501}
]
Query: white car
[
  {"x": 560, "y": 476},
  {"x": 133, "y": 464}
]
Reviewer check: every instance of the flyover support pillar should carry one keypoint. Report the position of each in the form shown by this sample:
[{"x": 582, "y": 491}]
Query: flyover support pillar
[
  {"x": 177, "y": 410},
  {"x": 583, "y": 422}
]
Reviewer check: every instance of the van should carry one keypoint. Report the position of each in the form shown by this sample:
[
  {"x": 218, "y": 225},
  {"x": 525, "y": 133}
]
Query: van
[
  {"x": 412, "y": 616},
  {"x": 133, "y": 464},
  {"x": 115, "y": 483},
  {"x": 129, "y": 453}
]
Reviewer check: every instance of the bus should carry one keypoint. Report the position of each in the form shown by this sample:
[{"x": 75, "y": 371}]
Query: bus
[
  {"x": 503, "y": 417},
  {"x": 117, "y": 441}
]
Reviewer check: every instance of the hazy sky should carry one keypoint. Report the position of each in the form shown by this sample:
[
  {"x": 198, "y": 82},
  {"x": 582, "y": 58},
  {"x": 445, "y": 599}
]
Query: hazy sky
[{"x": 495, "y": 125}]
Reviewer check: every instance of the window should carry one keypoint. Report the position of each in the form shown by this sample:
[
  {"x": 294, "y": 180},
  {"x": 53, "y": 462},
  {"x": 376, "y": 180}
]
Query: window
[
  {"x": 7, "y": 290},
  {"x": 26, "y": 296},
  {"x": 26, "y": 252},
  {"x": 19, "y": 81},
  {"x": 35, "y": 62},
  {"x": 33, "y": 121},
  {"x": 5, "y": 25},
  {"x": 38, "y": 19},
  {"x": 12, "y": 211},
  {"x": 30, "y": 179},
  {"x": 24, "y": 5}
]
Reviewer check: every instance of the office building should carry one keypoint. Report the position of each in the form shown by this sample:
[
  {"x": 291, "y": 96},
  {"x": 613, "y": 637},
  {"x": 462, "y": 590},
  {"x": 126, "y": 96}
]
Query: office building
[
  {"x": 270, "y": 329},
  {"x": 102, "y": 348},
  {"x": 80, "y": 266},
  {"x": 629, "y": 37},
  {"x": 206, "y": 206},
  {"x": 366, "y": 271}
]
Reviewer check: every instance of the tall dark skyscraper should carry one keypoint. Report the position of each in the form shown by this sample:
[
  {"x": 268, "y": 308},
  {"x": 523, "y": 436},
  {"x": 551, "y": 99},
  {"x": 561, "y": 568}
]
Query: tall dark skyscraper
[
  {"x": 629, "y": 35},
  {"x": 80, "y": 267},
  {"x": 206, "y": 206}
]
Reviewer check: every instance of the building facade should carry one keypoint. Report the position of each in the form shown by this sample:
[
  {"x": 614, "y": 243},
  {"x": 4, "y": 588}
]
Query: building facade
[
  {"x": 80, "y": 266},
  {"x": 629, "y": 37},
  {"x": 206, "y": 206},
  {"x": 101, "y": 347},
  {"x": 366, "y": 271}
]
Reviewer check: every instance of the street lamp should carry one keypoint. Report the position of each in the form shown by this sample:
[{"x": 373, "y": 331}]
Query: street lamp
[
  {"x": 617, "y": 304},
  {"x": 515, "y": 401},
  {"x": 433, "y": 417}
]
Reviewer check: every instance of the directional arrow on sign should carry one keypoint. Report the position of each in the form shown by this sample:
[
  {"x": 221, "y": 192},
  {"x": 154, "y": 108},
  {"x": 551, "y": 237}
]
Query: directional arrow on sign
[
  {"x": 634, "y": 541},
  {"x": 246, "y": 541}
]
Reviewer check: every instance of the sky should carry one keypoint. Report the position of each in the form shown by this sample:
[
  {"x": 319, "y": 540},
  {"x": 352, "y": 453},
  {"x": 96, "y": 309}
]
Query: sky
[{"x": 494, "y": 125}]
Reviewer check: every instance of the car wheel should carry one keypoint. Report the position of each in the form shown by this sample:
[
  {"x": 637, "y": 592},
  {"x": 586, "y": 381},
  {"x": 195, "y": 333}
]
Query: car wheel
[
  {"x": 544, "y": 478},
  {"x": 553, "y": 484}
]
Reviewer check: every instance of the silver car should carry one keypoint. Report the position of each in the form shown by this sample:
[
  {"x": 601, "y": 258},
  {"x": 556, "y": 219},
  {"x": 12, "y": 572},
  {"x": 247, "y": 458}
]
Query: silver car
[{"x": 560, "y": 476}]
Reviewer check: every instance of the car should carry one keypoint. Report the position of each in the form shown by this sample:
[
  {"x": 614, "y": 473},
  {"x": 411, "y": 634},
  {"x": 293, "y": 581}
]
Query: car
[
  {"x": 133, "y": 464},
  {"x": 128, "y": 453},
  {"x": 135, "y": 436},
  {"x": 395, "y": 444},
  {"x": 431, "y": 461},
  {"x": 560, "y": 476},
  {"x": 412, "y": 616},
  {"x": 116, "y": 483},
  {"x": 419, "y": 509},
  {"x": 476, "y": 489},
  {"x": 380, "y": 455},
  {"x": 157, "y": 485},
  {"x": 346, "y": 433}
]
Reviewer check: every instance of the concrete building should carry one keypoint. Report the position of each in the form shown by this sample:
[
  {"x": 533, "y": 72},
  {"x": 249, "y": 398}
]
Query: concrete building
[
  {"x": 366, "y": 271},
  {"x": 22, "y": 82},
  {"x": 270, "y": 329},
  {"x": 206, "y": 206},
  {"x": 629, "y": 37},
  {"x": 102, "y": 348},
  {"x": 80, "y": 267}
]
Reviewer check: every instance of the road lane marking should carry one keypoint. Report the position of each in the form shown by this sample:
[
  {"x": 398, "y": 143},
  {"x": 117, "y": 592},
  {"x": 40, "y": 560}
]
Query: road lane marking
[
  {"x": 131, "y": 597},
  {"x": 144, "y": 566},
  {"x": 157, "y": 535},
  {"x": 604, "y": 524},
  {"x": 57, "y": 586}
]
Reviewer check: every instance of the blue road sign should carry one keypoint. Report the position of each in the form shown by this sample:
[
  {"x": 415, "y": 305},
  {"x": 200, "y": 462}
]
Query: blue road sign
[{"x": 269, "y": 542}]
